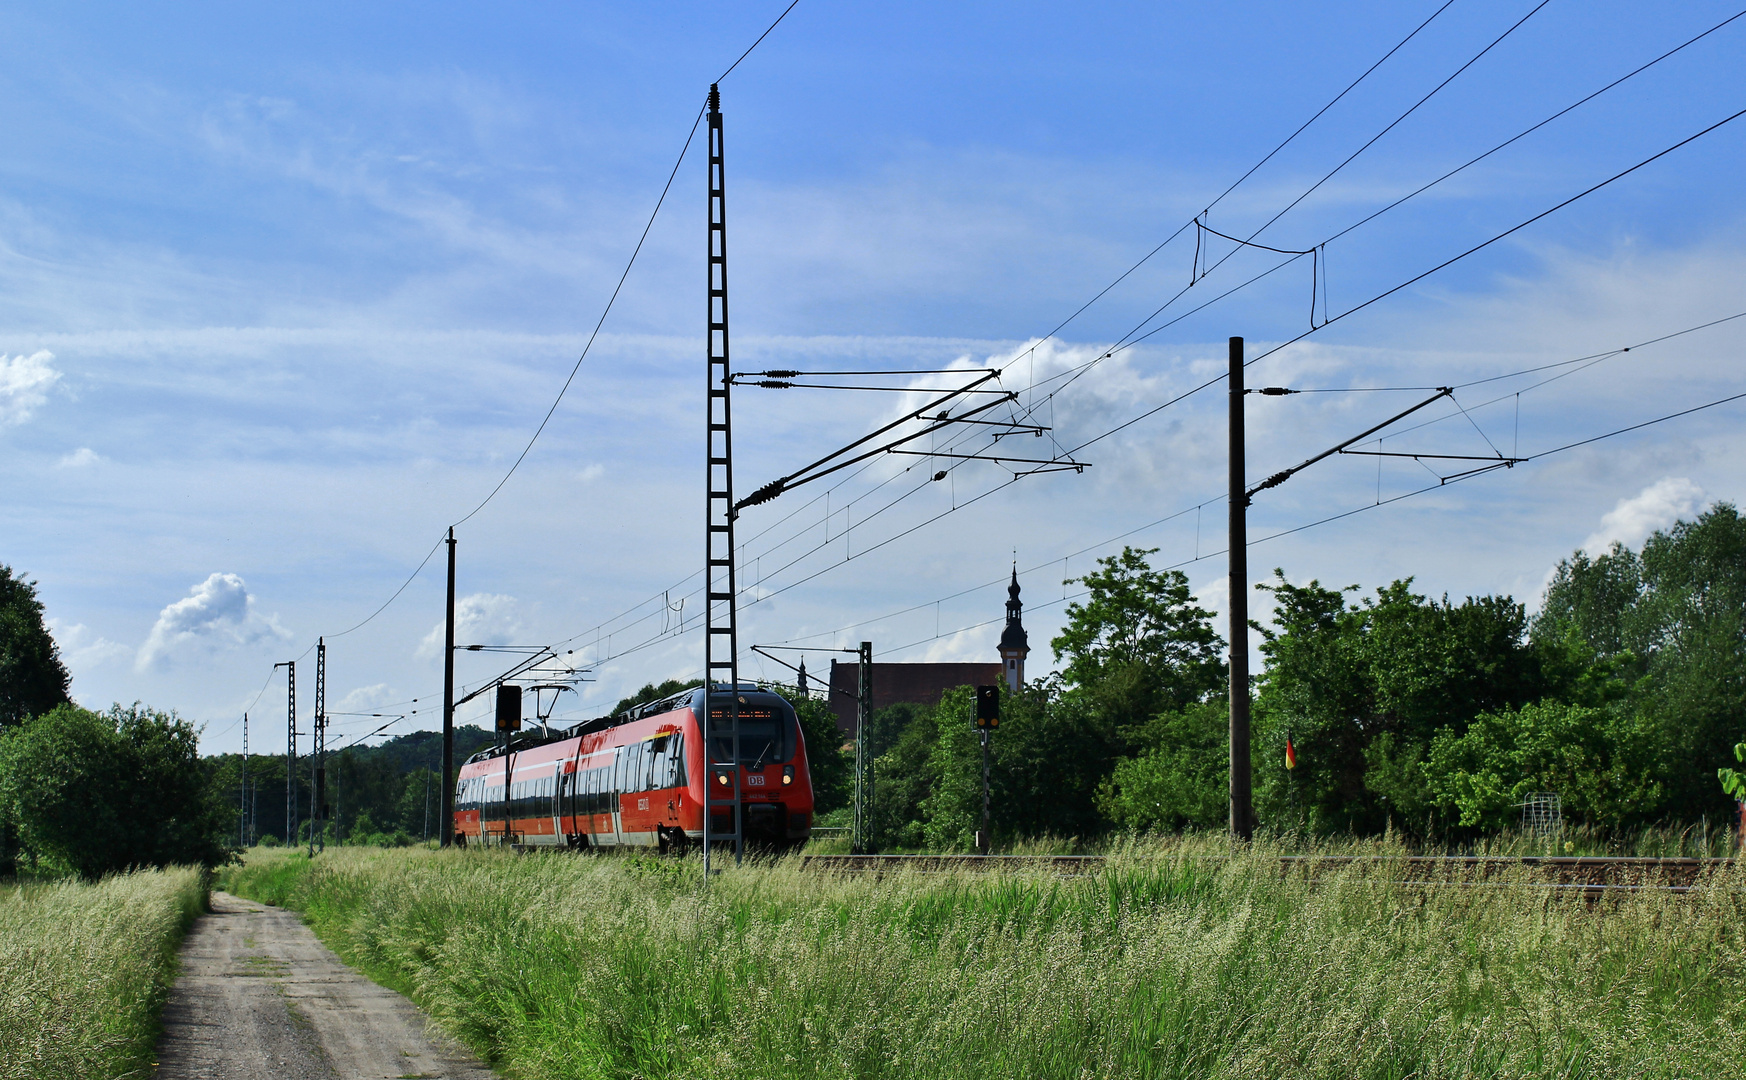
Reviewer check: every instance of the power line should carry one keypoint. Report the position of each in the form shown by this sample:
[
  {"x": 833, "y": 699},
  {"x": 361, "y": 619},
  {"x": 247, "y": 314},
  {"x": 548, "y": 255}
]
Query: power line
[
  {"x": 1416, "y": 278},
  {"x": 1128, "y": 340},
  {"x": 755, "y": 44},
  {"x": 1234, "y": 184}
]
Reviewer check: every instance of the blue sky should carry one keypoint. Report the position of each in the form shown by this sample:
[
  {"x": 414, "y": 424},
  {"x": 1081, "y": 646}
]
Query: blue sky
[{"x": 284, "y": 292}]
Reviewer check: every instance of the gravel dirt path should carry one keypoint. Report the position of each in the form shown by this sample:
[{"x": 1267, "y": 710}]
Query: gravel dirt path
[{"x": 260, "y": 998}]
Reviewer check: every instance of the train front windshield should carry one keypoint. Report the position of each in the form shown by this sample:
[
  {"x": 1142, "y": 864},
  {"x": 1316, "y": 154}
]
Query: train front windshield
[{"x": 766, "y": 735}]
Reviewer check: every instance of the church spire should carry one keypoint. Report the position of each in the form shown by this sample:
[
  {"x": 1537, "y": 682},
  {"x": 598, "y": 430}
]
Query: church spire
[{"x": 1014, "y": 645}]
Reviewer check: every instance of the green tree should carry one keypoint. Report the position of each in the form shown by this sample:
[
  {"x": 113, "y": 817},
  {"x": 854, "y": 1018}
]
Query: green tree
[
  {"x": 1601, "y": 761},
  {"x": 97, "y": 793},
  {"x": 1734, "y": 780},
  {"x": 1363, "y": 689},
  {"x": 903, "y": 735},
  {"x": 1049, "y": 756},
  {"x": 832, "y": 770},
  {"x": 1139, "y": 644},
  {"x": 32, "y": 678},
  {"x": 1182, "y": 779},
  {"x": 1673, "y": 620},
  {"x": 652, "y": 692}
]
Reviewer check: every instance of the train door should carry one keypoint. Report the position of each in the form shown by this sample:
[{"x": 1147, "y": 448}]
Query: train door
[
  {"x": 554, "y": 804},
  {"x": 620, "y": 758},
  {"x": 572, "y": 783}
]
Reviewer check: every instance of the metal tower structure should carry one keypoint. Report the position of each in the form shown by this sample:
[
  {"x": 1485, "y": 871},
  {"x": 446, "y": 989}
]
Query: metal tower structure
[
  {"x": 721, "y": 653},
  {"x": 318, "y": 769},
  {"x": 290, "y": 667},
  {"x": 242, "y": 814}
]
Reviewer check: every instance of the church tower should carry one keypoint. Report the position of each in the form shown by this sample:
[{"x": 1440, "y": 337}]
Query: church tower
[{"x": 1014, "y": 647}]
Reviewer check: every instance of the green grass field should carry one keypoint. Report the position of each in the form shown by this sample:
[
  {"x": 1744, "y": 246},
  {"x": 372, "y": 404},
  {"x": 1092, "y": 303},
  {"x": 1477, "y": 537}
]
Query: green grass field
[
  {"x": 84, "y": 970},
  {"x": 1176, "y": 961}
]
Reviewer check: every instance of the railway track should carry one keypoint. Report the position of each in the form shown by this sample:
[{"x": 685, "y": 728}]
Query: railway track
[{"x": 1592, "y": 876}]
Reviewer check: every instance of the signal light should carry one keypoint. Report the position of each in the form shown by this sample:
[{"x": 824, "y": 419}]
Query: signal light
[
  {"x": 987, "y": 707},
  {"x": 508, "y": 707}
]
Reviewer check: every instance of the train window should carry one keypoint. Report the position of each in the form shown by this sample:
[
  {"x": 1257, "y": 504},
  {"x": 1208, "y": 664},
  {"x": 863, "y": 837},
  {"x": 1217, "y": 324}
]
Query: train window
[{"x": 766, "y": 735}]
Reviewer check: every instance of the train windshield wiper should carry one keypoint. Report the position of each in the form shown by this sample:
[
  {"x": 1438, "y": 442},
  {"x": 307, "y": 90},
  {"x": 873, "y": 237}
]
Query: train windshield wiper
[{"x": 759, "y": 764}]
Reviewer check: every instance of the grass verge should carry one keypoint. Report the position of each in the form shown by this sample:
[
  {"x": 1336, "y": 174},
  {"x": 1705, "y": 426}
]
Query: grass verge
[
  {"x": 1178, "y": 960},
  {"x": 85, "y": 968}
]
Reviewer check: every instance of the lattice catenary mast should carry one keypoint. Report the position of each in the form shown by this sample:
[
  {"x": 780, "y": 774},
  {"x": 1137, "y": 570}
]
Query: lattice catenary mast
[{"x": 721, "y": 653}]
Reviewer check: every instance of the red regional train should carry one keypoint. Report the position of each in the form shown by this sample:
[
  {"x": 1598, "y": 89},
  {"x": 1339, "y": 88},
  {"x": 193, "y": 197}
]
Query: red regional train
[{"x": 637, "y": 779}]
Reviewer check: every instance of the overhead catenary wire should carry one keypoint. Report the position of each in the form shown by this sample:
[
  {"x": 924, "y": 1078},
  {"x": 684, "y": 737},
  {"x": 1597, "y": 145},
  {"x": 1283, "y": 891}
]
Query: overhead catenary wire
[
  {"x": 1636, "y": 346},
  {"x": 1329, "y": 519},
  {"x": 587, "y": 347},
  {"x": 1248, "y": 173},
  {"x": 1124, "y": 275},
  {"x": 1340, "y": 316},
  {"x": 1129, "y": 339},
  {"x": 1418, "y": 277}
]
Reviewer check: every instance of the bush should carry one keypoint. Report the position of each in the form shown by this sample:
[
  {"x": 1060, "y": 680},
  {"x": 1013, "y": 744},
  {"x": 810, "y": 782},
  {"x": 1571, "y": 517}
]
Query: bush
[{"x": 100, "y": 793}]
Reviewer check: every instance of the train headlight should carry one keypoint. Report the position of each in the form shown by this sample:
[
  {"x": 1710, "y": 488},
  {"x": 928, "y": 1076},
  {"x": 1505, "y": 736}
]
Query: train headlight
[
  {"x": 787, "y": 775},
  {"x": 722, "y": 779}
]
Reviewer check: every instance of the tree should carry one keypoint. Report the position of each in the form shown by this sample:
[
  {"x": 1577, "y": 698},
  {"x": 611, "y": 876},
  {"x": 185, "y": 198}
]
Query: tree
[
  {"x": 1139, "y": 644},
  {"x": 98, "y": 793},
  {"x": 1181, "y": 780},
  {"x": 1363, "y": 689},
  {"x": 651, "y": 692},
  {"x": 903, "y": 736},
  {"x": 832, "y": 770},
  {"x": 1673, "y": 618},
  {"x": 1601, "y": 761},
  {"x": 1734, "y": 780},
  {"x": 32, "y": 678},
  {"x": 1049, "y": 756}
]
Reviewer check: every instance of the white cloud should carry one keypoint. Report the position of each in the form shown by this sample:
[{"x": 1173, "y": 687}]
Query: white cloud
[
  {"x": 24, "y": 384},
  {"x": 218, "y": 611},
  {"x": 591, "y": 473},
  {"x": 365, "y": 698},
  {"x": 1655, "y": 507},
  {"x": 81, "y": 457},
  {"x": 480, "y": 619},
  {"x": 81, "y": 650}
]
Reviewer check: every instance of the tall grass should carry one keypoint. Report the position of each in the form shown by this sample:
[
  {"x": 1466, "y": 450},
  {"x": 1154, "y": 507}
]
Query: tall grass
[
  {"x": 1179, "y": 960},
  {"x": 84, "y": 969}
]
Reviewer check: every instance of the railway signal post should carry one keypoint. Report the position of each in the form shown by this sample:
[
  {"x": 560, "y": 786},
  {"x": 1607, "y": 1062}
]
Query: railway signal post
[
  {"x": 508, "y": 723},
  {"x": 242, "y": 820},
  {"x": 987, "y": 720}
]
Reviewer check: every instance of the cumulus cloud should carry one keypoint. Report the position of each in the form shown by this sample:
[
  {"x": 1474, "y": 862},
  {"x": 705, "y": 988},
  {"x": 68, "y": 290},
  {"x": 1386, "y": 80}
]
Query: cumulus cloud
[
  {"x": 79, "y": 458},
  {"x": 24, "y": 385},
  {"x": 365, "y": 698},
  {"x": 480, "y": 619},
  {"x": 217, "y": 612},
  {"x": 1657, "y": 506},
  {"x": 81, "y": 649}
]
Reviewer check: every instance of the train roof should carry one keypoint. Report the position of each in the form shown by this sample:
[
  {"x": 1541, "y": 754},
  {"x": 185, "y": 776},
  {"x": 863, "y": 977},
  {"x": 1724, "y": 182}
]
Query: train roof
[{"x": 688, "y": 697}]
